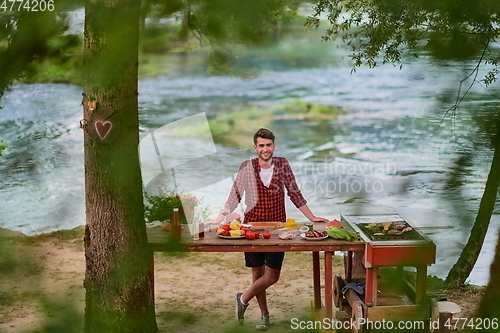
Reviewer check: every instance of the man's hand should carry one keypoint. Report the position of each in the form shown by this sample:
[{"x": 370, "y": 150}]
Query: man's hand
[
  {"x": 318, "y": 219},
  {"x": 217, "y": 220},
  {"x": 310, "y": 216}
]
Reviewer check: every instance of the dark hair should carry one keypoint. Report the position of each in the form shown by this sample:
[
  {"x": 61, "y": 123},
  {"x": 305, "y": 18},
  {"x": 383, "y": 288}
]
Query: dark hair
[{"x": 263, "y": 133}]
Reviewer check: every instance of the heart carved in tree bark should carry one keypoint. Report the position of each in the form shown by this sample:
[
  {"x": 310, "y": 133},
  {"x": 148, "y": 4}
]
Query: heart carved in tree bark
[{"x": 103, "y": 128}]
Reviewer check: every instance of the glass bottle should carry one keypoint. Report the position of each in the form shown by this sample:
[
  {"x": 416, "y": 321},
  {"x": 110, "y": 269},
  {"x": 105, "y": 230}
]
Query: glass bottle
[
  {"x": 176, "y": 225},
  {"x": 201, "y": 235},
  {"x": 195, "y": 228}
]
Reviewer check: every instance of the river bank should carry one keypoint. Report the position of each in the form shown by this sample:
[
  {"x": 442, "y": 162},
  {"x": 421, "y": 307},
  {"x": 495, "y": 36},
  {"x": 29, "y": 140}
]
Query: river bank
[{"x": 42, "y": 287}]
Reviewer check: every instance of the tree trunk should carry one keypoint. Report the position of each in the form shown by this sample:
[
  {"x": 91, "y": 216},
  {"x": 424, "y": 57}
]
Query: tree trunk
[
  {"x": 465, "y": 263},
  {"x": 119, "y": 297}
]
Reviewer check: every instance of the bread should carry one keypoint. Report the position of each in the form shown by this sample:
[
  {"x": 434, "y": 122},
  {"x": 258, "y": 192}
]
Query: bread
[{"x": 266, "y": 225}]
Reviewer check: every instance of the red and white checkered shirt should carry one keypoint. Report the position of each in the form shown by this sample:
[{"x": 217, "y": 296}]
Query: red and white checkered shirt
[{"x": 265, "y": 203}]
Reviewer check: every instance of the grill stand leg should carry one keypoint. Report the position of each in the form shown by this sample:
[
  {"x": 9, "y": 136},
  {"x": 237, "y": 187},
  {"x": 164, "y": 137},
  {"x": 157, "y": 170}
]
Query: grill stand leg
[{"x": 371, "y": 286}]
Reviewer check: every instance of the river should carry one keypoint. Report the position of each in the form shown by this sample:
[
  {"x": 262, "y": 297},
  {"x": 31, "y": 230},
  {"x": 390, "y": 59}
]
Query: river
[{"x": 391, "y": 150}]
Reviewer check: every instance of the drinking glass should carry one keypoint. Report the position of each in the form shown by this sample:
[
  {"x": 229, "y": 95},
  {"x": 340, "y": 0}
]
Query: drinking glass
[{"x": 224, "y": 211}]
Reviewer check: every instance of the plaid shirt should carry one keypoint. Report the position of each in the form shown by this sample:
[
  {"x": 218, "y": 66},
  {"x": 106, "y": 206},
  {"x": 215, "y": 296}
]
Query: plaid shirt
[{"x": 265, "y": 203}]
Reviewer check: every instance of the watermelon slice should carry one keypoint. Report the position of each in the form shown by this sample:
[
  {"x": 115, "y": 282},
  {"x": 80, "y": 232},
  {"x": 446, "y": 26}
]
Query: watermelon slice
[{"x": 335, "y": 223}]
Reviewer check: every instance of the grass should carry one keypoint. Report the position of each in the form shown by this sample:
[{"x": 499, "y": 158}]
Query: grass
[{"x": 74, "y": 235}]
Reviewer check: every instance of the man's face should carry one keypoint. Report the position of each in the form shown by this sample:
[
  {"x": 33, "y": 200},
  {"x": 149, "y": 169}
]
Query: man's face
[{"x": 264, "y": 149}]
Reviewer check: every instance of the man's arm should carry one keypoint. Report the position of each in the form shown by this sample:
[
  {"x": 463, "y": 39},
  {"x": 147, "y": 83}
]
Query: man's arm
[
  {"x": 236, "y": 192},
  {"x": 296, "y": 196},
  {"x": 310, "y": 216}
]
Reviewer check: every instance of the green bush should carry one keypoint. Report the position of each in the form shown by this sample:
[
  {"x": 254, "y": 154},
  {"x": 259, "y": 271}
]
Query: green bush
[{"x": 160, "y": 207}]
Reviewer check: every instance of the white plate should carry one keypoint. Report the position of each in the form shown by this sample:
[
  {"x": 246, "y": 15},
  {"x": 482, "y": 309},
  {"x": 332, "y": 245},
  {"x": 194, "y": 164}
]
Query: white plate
[
  {"x": 231, "y": 237},
  {"x": 303, "y": 235},
  {"x": 286, "y": 229}
]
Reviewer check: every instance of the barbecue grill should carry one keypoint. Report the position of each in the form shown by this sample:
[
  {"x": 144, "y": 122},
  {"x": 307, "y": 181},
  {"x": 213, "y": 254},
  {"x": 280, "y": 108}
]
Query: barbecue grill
[
  {"x": 412, "y": 248},
  {"x": 391, "y": 243}
]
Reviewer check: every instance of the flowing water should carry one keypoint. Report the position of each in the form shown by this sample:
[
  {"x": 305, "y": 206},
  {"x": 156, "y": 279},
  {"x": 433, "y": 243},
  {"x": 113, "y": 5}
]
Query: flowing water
[{"x": 391, "y": 150}]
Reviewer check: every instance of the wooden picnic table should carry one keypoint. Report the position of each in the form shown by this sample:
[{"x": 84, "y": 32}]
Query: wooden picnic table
[{"x": 157, "y": 241}]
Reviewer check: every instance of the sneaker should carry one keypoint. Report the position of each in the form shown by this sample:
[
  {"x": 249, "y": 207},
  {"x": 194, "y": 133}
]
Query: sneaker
[
  {"x": 240, "y": 308},
  {"x": 263, "y": 324}
]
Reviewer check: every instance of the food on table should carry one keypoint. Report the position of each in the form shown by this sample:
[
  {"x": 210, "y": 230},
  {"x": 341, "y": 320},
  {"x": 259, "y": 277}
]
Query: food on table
[
  {"x": 250, "y": 235},
  {"x": 266, "y": 225},
  {"x": 315, "y": 234},
  {"x": 235, "y": 225},
  {"x": 287, "y": 235},
  {"x": 236, "y": 233},
  {"x": 290, "y": 224},
  {"x": 334, "y": 223},
  {"x": 304, "y": 229},
  {"x": 266, "y": 235},
  {"x": 233, "y": 229},
  {"x": 340, "y": 233}
]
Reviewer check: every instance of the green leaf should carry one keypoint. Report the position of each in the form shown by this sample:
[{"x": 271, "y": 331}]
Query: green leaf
[{"x": 2, "y": 147}]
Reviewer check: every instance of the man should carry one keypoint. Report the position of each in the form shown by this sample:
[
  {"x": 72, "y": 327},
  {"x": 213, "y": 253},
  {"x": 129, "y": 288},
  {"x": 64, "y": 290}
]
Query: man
[{"x": 263, "y": 180}]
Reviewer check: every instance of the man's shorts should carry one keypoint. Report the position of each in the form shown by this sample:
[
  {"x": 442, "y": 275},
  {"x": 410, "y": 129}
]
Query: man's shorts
[{"x": 270, "y": 259}]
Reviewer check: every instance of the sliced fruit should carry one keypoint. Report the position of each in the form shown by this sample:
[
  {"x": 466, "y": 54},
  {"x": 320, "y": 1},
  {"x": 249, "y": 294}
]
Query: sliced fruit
[
  {"x": 235, "y": 225},
  {"x": 235, "y": 233}
]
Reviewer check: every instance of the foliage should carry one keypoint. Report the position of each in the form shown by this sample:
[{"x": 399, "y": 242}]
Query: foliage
[
  {"x": 28, "y": 36},
  {"x": 2, "y": 147},
  {"x": 61, "y": 63},
  {"x": 382, "y": 30},
  {"x": 173, "y": 26},
  {"x": 250, "y": 118},
  {"x": 308, "y": 109},
  {"x": 160, "y": 207},
  {"x": 224, "y": 23}
]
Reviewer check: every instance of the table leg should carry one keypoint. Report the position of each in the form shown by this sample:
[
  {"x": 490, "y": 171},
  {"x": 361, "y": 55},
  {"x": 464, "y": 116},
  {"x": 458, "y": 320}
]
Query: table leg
[
  {"x": 316, "y": 280},
  {"x": 420, "y": 284},
  {"x": 328, "y": 284}
]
